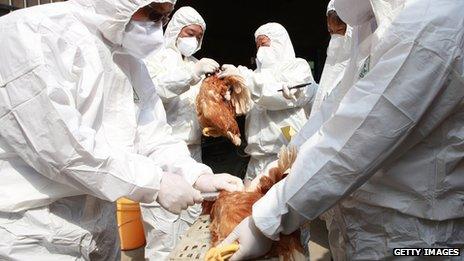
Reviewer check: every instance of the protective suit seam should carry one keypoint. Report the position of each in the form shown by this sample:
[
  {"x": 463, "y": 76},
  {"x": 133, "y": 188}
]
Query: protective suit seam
[
  {"x": 8, "y": 80},
  {"x": 66, "y": 165},
  {"x": 374, "y": 161}
]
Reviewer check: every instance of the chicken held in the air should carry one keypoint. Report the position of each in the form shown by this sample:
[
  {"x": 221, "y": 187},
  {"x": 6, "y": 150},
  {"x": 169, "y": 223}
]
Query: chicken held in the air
[{"x": 218, "y": 103}]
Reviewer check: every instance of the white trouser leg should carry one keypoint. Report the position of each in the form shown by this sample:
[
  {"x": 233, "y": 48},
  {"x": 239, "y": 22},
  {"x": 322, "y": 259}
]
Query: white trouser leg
[
  {"x": 258, "y": 166},
  {"x": 359, "y": 231},
  {"x": 74, "y": 228}
]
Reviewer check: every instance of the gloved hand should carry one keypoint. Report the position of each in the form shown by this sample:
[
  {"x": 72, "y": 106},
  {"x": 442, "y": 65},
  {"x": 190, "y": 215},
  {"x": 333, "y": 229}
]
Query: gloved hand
[
  {"x": 300, "y": 92},
  {"x": 204, "y": 66},
  {"x": 176, "y": 194},
  {"x": 228, "y": 70},
  {"x": 287, "y": 93},
  {"x": 216, "y": 182},
  {"x": 252, "y": 242}
]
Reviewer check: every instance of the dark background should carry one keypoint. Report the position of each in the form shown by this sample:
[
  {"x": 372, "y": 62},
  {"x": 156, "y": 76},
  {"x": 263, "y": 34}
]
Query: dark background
[
  {"x": 230, "y": 27},
  {"x": 229, "y": 38},
  {"x": 5, "y": 9}
]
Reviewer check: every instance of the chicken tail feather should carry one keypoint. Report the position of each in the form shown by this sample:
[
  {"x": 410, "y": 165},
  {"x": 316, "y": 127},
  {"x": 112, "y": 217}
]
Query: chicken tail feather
[
  {"x": 287, "y": 157},
  {"x": 234, "y": 138},
  {"x": 240, "y": 96}
]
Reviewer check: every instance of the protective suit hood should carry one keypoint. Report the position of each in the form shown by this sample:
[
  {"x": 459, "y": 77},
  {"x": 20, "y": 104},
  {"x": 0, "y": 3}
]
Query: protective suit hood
[
  {"x": 330, "y": 7},
  {"x": 280, "y": 40},
  {"x": 356, "y": 12},
  {"x": 183, "y": 17},
  {"x": 385, "y": 11},
  {"x": 389, "y": 127},
  {"x": 110, "y": 17}
]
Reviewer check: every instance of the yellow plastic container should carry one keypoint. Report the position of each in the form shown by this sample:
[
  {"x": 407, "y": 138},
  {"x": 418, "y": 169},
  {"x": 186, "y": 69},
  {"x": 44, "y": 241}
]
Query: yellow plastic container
[{"x": 130, "y": 224}]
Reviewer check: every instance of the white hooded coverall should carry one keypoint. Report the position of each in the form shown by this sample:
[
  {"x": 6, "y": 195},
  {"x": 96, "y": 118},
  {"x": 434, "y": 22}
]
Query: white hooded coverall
[
  {"x": 389, "y": 160},
  {"x": 271, "y": 111},
  {"x": 176, "y": 84},
  {"x": 72, "y": 140},
  {"x": 176, "y": 81},
  {"x": 338, "y": 56}
]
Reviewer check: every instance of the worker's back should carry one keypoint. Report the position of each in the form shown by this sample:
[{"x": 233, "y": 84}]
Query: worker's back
[
  {"x": 38, "y": 43},
  {"x": 428, "y": 167},
  {"x": 48, "y": 59}
]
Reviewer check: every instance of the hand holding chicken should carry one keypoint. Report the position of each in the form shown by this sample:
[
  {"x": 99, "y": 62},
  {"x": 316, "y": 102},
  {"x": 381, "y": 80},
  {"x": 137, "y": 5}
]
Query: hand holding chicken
[{"x": 231, "y": 221}]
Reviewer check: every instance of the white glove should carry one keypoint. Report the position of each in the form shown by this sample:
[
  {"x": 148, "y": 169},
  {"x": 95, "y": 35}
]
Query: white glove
[
  {"x": 253, "y": 243},
  {"x": 300, "y": 92},
  {"x": 176, "y": 194},
  {"x": 286, "y": 92},
  {"x": 216, "y": 182},
  {"x": 229, "y": 70},
  {"x": 204, "y": 66}
]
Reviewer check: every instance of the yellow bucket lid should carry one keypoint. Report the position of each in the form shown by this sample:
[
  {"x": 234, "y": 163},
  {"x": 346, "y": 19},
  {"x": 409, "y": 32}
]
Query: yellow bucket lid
[
  {"x": 125, "y": 204},
  {"x": 126, "y": 201}
]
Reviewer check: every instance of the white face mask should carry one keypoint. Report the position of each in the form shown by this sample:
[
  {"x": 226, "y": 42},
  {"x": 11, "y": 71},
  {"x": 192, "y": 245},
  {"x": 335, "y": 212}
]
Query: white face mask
[
  {"x": 339, "y": 49},
  {"x": 335, "y": 45},
  {"x": 187, "y": 45},
  {"x": 143, "y": 38},
  {"x": 266, "y": 57}
]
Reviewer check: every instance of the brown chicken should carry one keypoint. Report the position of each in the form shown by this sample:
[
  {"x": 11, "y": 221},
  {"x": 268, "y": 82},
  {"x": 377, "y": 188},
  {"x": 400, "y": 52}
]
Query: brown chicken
[
  {"x": 218, "y": 103},
  {"x": 232, "y": 207}
]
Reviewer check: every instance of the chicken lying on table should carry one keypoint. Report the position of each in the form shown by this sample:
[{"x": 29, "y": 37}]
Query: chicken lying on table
[
  {"x": 219, "y": 101},
  {"x": 232, "y": 207}
]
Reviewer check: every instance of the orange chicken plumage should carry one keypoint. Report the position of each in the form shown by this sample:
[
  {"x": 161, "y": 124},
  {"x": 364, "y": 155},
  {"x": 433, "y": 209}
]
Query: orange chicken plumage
[
  {"x": 219, "y": 101},
  {"x": 232, "y": 207}
]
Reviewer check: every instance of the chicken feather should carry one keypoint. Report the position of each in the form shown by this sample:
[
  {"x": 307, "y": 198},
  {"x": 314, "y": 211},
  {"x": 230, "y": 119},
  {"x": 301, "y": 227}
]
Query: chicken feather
[
  {"x": 219, "y": 101},
  {"x": 232, "y": 207}
]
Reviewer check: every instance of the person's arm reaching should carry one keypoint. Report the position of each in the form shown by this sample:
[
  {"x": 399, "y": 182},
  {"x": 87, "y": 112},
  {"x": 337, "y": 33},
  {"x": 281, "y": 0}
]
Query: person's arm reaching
[
  {"x": 317, "y": 118},
  {"x": 375, "y": 117},
  {"x": 39, "y": 122},
  {"x": 265, "y": 85},
  {"x": 171, "y": 154},
  {"x": 170, "y": 74},
  {"x": 154, "y": 140},
  {"x": 173, "y": 76}
]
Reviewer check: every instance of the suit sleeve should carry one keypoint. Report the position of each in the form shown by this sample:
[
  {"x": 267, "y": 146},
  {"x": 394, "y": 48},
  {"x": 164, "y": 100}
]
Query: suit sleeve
[
  {"x": 265, "y": 85},
  {"x": 374, "y": 118}
]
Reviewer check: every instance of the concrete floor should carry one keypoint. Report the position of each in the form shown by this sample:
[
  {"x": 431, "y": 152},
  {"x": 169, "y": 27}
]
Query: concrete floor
[
  {"x": 319, "y": 243},
  {"x": 318, "y": 252}
]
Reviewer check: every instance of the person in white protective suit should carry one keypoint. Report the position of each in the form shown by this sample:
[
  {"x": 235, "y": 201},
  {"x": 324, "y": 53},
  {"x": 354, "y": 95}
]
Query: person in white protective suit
[
  {"x": 277, "y": 69},
  {"x": 176, "y": 75},
  {"x": 388, "y": 161},
  {"x": 72, "y": 140},
  {"x": 338, "y": 53}
]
